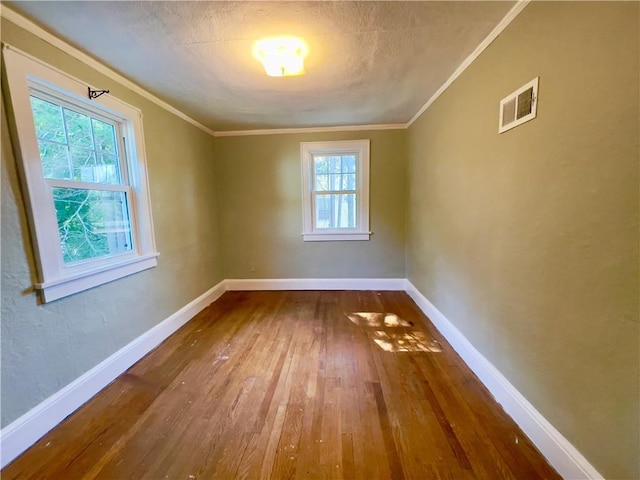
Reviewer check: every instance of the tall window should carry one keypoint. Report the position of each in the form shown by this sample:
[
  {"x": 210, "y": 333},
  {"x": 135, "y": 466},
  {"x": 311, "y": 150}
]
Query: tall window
[
  {"x": 85, "y": 175},
  {"x": 81, "y": 155},
  {"x": 335, "y": 178}
]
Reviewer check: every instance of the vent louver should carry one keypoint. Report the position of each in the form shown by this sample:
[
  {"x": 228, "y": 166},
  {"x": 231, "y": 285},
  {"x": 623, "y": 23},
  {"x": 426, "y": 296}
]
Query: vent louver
[{"x": 519, "y": 107}]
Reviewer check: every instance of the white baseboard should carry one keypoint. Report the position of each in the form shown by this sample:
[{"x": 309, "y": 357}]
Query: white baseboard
[
  {"x": 558, "y": 451},
  {"x": 29, "y": 428},
  {"x": 397, "y": 284},
  {"x": 18, "y": 436}
]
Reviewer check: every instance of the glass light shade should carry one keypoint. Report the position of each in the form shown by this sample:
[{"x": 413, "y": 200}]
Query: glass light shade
[{"x": 282, "y": 56}]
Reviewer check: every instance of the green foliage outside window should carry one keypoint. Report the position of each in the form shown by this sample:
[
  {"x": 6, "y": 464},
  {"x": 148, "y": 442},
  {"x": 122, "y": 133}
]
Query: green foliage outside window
[{"x": 75, "y": 147}]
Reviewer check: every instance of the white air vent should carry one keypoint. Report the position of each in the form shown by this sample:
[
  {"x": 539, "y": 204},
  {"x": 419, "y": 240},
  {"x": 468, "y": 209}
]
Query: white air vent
[{"x": 519, "y": 107}]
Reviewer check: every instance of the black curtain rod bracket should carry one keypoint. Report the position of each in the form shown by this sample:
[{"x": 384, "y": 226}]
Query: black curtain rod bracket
[{"x": 93, "y": 94}]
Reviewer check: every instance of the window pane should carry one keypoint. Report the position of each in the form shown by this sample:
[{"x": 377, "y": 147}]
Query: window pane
[
  {"x": 87, "y": 167},
  {"x": 92, "y": 223},
  {"x": 335, "y": 210},
  {"x": 322, "y": 183},
  {"x": 335, "y": 164},
  {"x": 327, "y": 164},
  {"x": 335, "y": 173},
  {"x": 48, "y": 120},
  {"x": 349, "y": 163},
  {"x": 349, "y": 181},
  {"x": 55, "y": 159},
  {"x": 105, "y": 137},
  {"x": 321, "y": 165},
  {"x": 82, "y": 158},
  {"x": 335, "y": 181},
  {"x": 78, "y": 129},
  {"x": 71, "y": 153}
]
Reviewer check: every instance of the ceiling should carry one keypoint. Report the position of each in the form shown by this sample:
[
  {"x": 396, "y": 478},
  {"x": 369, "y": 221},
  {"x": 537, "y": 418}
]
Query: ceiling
[{"x": 368, "y": 63}]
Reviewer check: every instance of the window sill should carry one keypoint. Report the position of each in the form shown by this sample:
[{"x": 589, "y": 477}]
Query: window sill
[
  {"x": 63, "y": 287},
  {"x": 334, "y": 237}
]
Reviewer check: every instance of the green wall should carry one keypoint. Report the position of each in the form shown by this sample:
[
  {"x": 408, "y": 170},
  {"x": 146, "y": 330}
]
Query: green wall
[
  {"x": 45, "y": 347},
  {"x": 261, "y": 224},
  {"x": 528, "y": 241}
]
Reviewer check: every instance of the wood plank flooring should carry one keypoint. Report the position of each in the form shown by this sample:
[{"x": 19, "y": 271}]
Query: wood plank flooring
[{"x": 285, "y": 385}]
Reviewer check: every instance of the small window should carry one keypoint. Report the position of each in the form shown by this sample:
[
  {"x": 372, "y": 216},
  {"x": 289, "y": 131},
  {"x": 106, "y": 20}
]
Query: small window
[
  {"x": 84, "y": 169},
  {"x": 335, "y": 186},
  {"x": 519, "y": 107}
]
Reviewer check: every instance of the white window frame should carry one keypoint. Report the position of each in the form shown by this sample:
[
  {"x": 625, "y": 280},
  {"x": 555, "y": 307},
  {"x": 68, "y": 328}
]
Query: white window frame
[
  {"x": 27, "y": 74},
  {"x": 359, "y": 148}
]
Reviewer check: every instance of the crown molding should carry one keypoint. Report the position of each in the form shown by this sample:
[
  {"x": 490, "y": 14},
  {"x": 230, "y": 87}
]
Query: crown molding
[
  {"x": 281, "y": 131},
  {"x": 504, "y": 23},
  {"x": 41, "y": 33}
]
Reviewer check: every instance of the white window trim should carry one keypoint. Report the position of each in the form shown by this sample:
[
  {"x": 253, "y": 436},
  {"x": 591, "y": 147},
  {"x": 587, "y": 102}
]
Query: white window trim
[
  {"x": 56, "y": 280},
  {"x": 307, "y": 150}
]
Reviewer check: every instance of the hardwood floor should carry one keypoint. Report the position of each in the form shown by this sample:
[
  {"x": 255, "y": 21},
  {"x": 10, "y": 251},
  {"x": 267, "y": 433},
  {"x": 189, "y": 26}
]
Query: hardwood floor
[{"x": 286, "y": 385}]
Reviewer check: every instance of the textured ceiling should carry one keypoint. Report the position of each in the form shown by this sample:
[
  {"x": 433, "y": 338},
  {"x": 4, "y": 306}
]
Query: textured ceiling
[{"x": 368, "y": 62}]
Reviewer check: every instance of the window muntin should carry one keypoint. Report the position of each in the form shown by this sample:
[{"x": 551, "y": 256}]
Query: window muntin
[
  {"x": 92, "y": 223},
  {"x": 335, "y": 190},
  {"x": 84, "y": 171},
  {"x": 75, "y": 145},
  {"x": 78, "y": 147}
]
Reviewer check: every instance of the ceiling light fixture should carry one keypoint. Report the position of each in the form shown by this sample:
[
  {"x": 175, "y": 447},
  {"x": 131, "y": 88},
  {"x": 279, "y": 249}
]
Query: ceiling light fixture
[{"x": 282, "y": 56}]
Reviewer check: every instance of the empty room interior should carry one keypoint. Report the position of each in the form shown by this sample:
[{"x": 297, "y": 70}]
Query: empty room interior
[{"x": 320, "y": 240}]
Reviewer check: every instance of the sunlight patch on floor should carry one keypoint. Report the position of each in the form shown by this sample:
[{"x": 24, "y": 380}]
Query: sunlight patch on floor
[
  {"x": 405, "y": 342},
  {"x": 378, "y": 320}
]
